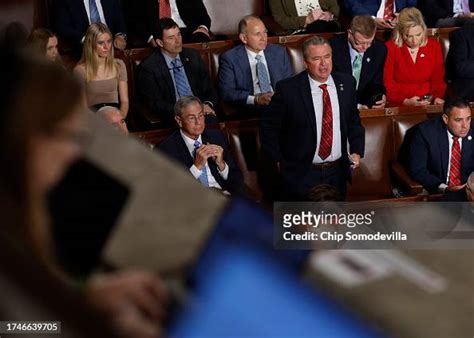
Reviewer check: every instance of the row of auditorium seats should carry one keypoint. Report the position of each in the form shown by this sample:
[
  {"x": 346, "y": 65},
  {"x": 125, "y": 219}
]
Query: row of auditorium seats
[
  {"x": 141, "y": 119},
  {"x": 384, "y": 133}
]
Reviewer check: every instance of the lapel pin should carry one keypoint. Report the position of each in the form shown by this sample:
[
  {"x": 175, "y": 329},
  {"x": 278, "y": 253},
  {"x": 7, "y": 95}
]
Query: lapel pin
[
  {"x": 422, "y": 55},
  {"x": 469, "y": 138},
  {"x": 368, "y": 59},
  {"x": 341, "y": 87}
]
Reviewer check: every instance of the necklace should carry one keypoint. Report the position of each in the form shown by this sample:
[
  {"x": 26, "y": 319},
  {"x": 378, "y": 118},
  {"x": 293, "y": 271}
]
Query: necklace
[{"x": 413, "y": 50}]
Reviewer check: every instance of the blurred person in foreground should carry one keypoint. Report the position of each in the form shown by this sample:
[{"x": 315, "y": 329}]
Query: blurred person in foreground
[{"x": 40, "y": 138}]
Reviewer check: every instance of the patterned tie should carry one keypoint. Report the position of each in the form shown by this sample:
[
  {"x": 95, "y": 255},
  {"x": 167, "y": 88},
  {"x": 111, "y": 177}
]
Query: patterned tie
[
  {"x": 180, "y": 79},
  {"x": 262, "y": 76},
  {"x": 203, "y": 178},
  {"x": 325, "y": 144},
  {"x": 164, "y": 9},
  {"x": 465, "y": 7},
  {"x": 356, "y": 68},
  {"x": 388, "y": 10},
  {"x": 94, "y": 12},
  {"x": 455, "y": 164}
]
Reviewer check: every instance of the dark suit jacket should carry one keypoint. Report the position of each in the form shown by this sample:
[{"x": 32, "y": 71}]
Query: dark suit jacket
[
  {"x": 155, "y": 85},
  {"x": 142, "y": 15},
  {"x": 460, "y": 63},
  {"x": 370, "y": 7},
  {"x": 429, "y": 154},
  {"x": 70, "y": 19},
  {"x": 371, "y": 75},
  {"x": 175, "y": 147},
  {"x": 433, "y": 10},
  {"x": 235, "y": 76},
  {"x": 288, "y": 128}
]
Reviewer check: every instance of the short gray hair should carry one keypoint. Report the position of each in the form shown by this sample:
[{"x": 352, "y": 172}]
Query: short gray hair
[
  {"x": 244, "y": 21},
  {"x": 314, "y": 41},
  {"x": 184, "y": 102}
]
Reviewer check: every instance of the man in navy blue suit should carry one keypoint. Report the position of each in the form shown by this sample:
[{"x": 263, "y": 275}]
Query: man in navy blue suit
[
  {"x": 204, "y": 152},
  {"x": 376, "y": 8},
  {"x": 239, "y": 79},
  {"x": 433, "y": 145},
  {"x": 358, "y": 53},
  {"x": 310, "y": 121},
  {"x": 71, "y": 18}
]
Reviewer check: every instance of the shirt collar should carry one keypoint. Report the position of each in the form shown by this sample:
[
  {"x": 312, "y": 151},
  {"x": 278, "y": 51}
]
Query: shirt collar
[
  {"x": 353, "y": 52},
  {"x": 330, "y": 81},
  {"x": 252, "y": 54},
  {"x": 169, "y": 59},
  {"x": 189, "y": 141}
]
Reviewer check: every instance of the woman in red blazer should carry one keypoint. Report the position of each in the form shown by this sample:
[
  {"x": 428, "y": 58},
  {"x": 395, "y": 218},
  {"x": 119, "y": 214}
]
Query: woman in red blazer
[{"x": 414, "y": 68}]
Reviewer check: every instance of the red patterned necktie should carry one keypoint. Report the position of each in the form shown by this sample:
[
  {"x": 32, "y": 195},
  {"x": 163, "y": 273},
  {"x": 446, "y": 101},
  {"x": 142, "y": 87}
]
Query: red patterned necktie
[
  {"x": 165, "y": 9},
  {"x": 325, "y": 144},
  {"x": 455, "y": 164},
  {"x": 388, "y": 10}
]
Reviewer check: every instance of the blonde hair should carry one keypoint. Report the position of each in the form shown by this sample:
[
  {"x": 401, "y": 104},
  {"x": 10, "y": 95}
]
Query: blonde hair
[
  {"x": 89, "y": 58},
  {"x": 409, "y": 18}
]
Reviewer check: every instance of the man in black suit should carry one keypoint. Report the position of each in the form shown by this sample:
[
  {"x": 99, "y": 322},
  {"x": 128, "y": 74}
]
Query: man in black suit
[
  {"x": 204, "y": 152},
  {"x": 71, "y": 18},
  {"x": 171, "y": 72},
  {"x": 190, "y": 15},
  {"x": 358, "y": 54},
  {"x": 436, "y": 140},
  {"x": 310, "y": 120},
  {"x": 447, "y": 13},
  {"x": 459, "y": 63}
]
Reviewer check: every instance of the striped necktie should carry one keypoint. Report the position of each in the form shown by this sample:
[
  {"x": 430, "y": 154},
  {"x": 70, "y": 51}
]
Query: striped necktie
[
  {"x": 94, "y": 12},
  {"x": 455, "y": 164},
  {"x": 325, "y": 143},
  {"x": 180, "y": 79}
]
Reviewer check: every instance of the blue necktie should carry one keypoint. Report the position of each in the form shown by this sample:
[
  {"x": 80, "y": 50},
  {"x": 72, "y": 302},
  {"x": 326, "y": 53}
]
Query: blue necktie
[
  {"x": 95, "y": 17},
  {"x": 262, "y": 76},
  {"x": 180, "y": 79},
  {"x": 203, "y": 178}
]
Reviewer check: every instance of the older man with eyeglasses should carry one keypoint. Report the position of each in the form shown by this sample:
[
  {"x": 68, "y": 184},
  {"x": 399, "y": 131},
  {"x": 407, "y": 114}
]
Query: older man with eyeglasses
[{"x": 205, "y": 152}]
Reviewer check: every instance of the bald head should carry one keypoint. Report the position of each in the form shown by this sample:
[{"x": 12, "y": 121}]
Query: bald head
[{"x": 113, "y": 116}]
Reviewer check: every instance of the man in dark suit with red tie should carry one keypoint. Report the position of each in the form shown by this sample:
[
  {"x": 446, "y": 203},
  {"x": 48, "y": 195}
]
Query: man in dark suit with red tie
[
  {"x": 442, "y": 149},
  {"x": 310, "y": 121},
  {"x": 190, "y": 15}
]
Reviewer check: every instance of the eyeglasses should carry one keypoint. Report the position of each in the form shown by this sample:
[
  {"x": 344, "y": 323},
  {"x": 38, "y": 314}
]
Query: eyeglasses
[{"x": 194, "y": 118}]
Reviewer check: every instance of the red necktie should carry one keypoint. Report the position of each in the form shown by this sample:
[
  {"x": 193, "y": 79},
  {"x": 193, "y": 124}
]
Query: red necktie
[
  {"x": 388, "y": 10},
  {"x": 325, "y": 144},
  {"x": 455, "y": 164},
  {"x": 165, "y": 9}
]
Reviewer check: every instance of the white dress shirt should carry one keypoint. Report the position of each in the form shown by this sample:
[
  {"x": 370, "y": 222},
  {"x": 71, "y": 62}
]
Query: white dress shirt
[
  {"x": 317, "y": 96},
  {"x": 195, "y": 171},
  {"x": 253, "y": 69}
]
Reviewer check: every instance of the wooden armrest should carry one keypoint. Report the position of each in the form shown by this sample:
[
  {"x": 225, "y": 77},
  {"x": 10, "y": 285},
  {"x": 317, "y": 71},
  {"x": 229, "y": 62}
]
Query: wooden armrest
[{"x": 407, "y": 183}]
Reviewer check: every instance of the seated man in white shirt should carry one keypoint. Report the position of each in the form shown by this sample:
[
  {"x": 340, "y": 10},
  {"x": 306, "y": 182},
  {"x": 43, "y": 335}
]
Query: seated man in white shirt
[{"x": 204, "y": 151}]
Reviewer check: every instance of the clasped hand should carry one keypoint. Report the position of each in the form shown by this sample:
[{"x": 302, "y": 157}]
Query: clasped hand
[{"x": 206, "y": 151}]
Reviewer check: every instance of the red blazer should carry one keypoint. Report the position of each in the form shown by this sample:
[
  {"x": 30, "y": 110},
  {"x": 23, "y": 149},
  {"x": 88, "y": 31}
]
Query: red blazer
[{"x": 404, "y": 79}]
